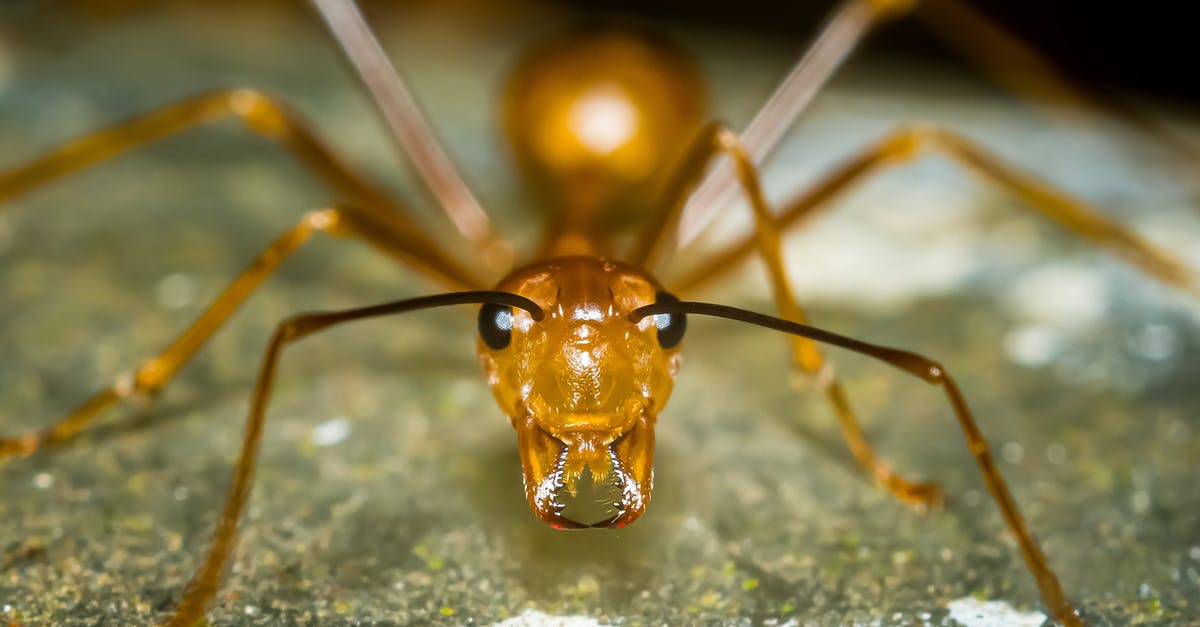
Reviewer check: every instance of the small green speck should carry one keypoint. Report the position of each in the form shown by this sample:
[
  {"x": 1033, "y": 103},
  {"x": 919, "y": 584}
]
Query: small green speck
[
  {"x": 787, "y": 607},
  {"x": 138, "y": 522},
  {"x": 447, "y": 610},
  {"x": 433, "y": 562},
  {"x": 750, "y": 584}
]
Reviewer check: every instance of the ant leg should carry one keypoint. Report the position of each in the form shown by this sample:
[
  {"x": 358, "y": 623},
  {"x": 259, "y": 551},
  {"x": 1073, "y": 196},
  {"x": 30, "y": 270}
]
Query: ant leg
[
  {"x": 716, "y": 139},
  {"x": 417, "y": 139},
  {"x": 149, "y": 379},
  {"x": 1017, "y": 66},
  {"x": 767, "y": 239},
  {"x": 918, "y": 366},
  {"x": 905, "y": 145},
  {"x": 1009, "y": 61},
  {"x": 206, "y": 580},
  {"x": 204, "y": 584},
  {"x": 841, "y": 35},
  {"x": 381, "y": 220}
]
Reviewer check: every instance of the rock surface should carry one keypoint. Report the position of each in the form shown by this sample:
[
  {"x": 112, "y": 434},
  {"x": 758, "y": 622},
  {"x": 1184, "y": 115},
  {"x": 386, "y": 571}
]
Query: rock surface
[{"x": 389, "y": 485}]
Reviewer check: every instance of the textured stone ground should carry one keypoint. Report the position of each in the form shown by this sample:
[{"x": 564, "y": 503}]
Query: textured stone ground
[{"x": 389, "y": 486}]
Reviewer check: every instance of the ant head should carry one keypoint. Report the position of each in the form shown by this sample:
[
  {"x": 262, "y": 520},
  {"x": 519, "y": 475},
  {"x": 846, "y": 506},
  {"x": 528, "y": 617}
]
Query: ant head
[{"x": 583, "y": 385}]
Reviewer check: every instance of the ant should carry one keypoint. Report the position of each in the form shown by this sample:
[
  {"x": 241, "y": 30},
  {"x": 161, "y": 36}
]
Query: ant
[{"x": 580, "y": 342}]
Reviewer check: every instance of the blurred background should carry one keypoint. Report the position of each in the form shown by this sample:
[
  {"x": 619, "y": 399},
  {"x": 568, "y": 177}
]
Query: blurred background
[
  {"x": 1110, "y": 45},
  {"x": 1142, "y": 46}
]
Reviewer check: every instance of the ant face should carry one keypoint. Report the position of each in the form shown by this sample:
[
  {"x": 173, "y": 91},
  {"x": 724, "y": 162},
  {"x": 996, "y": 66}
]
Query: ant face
[{"x": 584, "y": 385}]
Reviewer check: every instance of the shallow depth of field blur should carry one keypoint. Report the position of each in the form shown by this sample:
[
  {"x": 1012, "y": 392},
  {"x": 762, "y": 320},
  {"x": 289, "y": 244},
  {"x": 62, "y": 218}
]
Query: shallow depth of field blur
[{"x": 389, "y": 487}]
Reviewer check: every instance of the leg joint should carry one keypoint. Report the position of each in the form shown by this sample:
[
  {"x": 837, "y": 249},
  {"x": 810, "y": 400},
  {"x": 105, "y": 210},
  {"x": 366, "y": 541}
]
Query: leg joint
[
  {"x": 327, "y": 220},
  {"x": 143, "y": 384},
  {"x": 910, "y": 142},
  {"x": 259, "y": 112}
]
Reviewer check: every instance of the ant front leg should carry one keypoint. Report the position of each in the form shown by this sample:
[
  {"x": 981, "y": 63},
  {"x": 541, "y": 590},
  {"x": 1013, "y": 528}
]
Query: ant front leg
[
  {"x": 718, "y": 139},
  {"x": 207, "y": 578},
  {"x": 806, "y": 356}
]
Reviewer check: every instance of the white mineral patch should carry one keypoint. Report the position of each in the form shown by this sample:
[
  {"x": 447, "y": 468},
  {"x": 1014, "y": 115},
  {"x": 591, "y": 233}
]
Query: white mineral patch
[
  {"x": 43, "y": 481},
  {"x": 1157, "y": 342},
  {"x": 534, "y": 618},
  {"x": 1060, "y": 294},
  {"x": 972, "y": 612},
  {"x": 176, "y": 291},
  {"x": 1033, "y": 344},
  {"x": 331, "y": 432}
]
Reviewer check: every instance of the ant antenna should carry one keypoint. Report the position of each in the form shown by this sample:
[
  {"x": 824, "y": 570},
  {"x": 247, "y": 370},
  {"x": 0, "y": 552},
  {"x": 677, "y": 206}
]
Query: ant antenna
[
  {"x": 909, "y": 362},
  {"x": 934, "y": 373}
]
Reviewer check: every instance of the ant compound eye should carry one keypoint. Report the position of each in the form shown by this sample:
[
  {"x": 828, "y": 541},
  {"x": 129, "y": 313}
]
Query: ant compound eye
[
  {"x": 495, "y": 325},
  {"x": 670, "y": 325}
]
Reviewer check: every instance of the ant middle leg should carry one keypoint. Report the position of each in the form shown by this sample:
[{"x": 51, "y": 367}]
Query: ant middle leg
[
  {"x": 154, "y": 374},
  {"x": 370, "y": 215},
  {"x": 905, "y": 145}
]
